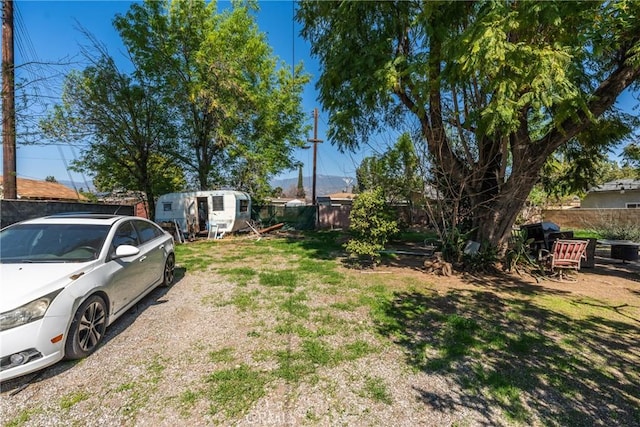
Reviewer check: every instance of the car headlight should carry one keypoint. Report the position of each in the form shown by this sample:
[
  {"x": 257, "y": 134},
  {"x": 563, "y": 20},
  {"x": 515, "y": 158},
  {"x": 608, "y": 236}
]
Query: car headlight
[{"x": 27, "y": 313}]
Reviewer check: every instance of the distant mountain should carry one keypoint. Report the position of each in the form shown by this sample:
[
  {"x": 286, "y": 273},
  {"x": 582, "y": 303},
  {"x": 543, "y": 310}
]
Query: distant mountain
[{"x": 325, "y": 184}]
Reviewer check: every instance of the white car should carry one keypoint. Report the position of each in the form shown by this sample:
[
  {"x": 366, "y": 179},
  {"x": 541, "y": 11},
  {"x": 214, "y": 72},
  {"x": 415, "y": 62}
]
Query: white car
[{"x": 65, "y": 278}]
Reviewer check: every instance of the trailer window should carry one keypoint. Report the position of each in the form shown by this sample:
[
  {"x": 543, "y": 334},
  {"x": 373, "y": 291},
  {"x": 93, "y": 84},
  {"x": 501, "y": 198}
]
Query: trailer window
[
  {"x": 244, "y": 205},
  {"x": 166, "y": 207},
  {"x": 217, "y": 203}
]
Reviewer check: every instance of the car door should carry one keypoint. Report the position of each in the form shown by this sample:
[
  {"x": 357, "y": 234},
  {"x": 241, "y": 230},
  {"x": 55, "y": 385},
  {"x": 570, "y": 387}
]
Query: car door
[
  {"x": 152, "y": 250},
  {"x": 128, "y": 273}
]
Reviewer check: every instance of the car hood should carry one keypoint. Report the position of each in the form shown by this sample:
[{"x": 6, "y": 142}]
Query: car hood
[{"x": 22, "y": 283}]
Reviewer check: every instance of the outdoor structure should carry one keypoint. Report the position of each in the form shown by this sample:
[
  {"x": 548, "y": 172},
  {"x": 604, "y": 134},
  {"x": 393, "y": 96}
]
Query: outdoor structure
[
  {"x": 205, "y": 211},
  {"x": 129, "y": 198},
  {"x": 31, "y": 189},
  {"x": 622, "y": 193},
  {"x": 336, "y": 199}
]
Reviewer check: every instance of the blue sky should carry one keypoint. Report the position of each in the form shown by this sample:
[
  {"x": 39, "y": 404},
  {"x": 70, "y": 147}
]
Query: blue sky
[{"x": 46, "y": 32}]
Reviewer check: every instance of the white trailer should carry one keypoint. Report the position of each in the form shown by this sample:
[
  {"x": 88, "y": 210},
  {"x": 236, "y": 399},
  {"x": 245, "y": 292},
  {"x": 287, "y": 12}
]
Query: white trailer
[{"x": 199, "y": 212}]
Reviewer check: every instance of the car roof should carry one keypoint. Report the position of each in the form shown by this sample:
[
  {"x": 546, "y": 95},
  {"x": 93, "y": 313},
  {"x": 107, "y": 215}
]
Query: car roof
[{"x": 79, "y": 218}]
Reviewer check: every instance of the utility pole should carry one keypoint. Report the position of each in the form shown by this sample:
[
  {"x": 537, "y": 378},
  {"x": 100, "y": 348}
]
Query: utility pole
[
  {"x": 8, "y": 105},
  {"x": 315, "y": 141}
]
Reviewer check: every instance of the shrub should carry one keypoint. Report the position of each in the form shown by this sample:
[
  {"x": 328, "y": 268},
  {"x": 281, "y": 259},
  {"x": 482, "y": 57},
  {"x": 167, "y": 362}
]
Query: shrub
[
  {"x": 371, "y": 226},
  {"x": 608, "y": 228}
]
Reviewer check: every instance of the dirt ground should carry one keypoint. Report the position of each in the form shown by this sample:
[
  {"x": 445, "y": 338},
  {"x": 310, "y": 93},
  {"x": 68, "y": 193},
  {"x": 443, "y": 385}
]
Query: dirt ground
[
  {"x": 608, "y": 279},
  {"x": 160, "y": 355}
]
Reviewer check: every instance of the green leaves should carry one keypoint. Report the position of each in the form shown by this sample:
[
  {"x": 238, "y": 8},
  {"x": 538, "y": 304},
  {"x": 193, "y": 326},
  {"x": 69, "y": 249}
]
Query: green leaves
[
  {"x": 395, "y": 172},
  {"x": 493, "y": 87},
  {"x": 371, "y": 225}
]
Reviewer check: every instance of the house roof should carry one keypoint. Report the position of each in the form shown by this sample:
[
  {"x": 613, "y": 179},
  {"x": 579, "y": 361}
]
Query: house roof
[
  {"x": 617, "y": 185},
  {"x": 341, "y": 196},
  {"x": 43, "y": 190}
]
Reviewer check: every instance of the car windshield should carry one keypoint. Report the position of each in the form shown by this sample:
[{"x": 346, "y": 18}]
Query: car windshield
[{"x": 52, "y": 242}]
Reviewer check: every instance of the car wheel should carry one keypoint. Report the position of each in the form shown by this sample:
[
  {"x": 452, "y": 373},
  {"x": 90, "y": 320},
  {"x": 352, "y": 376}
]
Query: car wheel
[
  {"x": 87, "y": 329},
  {"x": 169, "y": 267}
]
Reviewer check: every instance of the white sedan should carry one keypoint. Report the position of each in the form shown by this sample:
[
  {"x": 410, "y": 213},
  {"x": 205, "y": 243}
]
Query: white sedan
[{"x": 65, "y": 278}]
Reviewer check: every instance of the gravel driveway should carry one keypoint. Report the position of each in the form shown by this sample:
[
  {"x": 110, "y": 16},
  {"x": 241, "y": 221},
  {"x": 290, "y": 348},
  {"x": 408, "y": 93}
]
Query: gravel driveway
[{"x": 162, "y": 349}]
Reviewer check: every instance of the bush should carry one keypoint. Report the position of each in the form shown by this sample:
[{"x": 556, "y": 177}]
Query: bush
[
  {"x": 606, "y": 228},
  {"x": 371, "y": 226}
]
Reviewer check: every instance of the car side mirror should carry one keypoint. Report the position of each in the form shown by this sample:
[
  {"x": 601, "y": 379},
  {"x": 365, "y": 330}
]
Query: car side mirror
[{"x": 124, "y": 251}]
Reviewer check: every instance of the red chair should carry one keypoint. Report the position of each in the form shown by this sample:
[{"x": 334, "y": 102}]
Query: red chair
[{"x": 564, "y": 255}]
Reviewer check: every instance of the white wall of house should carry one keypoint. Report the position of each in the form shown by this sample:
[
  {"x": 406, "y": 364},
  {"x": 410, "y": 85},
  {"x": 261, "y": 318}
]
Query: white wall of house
[{"x": 612, "y": 199}]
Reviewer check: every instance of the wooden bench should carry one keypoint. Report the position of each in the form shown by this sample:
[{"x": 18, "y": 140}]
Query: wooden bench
[{"x": 564, "y": 255}]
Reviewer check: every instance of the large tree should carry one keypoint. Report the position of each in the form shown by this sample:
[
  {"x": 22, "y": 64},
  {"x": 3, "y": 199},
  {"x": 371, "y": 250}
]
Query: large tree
[
  {"x": 238, "y": 108},
  {"x": 125, "y": 125},
  {"x": 495, "y": 87}
]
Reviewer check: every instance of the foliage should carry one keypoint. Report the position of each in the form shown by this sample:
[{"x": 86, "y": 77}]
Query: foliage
[
  {"x": 371, "y": 225},
  {"x": 394, "y": 172},
  {"x": 237, "y": 108},
  {"x": 613, "y": 230},
  {"x": 493, "y": 88},
  {"x": 583, "y": 161},
  {"x": 453, "y": 243},
  {"x": 631, "y": 154},
  {"x": 125, "y": 123},
  {"x": 518, "y": 255},
  {"x": 484, "y": 260}
]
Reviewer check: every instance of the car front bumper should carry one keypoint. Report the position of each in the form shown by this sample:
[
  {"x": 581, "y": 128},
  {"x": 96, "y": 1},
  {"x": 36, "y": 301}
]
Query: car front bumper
[{"x": 34, "y": 342}]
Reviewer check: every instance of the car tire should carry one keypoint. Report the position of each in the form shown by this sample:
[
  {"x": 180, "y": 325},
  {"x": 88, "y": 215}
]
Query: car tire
[
  {"x": 169, "y": 270},
  {"x": 87, "y": 328}
]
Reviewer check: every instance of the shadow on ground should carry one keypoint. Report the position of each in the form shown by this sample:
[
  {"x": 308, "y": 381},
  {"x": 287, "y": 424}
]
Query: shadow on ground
[{"x": 510, "y": 351}]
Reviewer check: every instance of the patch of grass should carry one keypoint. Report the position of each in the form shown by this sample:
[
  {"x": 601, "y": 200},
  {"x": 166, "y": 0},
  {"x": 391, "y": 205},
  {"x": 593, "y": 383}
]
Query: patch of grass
[
  {"x": 318, "y": 352},
  {"x": 285, "y": 278},
  {"x": 194, "y": 256},
  {"x": 242, "y": 300},
  {"x": 376, "y": 389},
  {"x": 505, "y": 385},
  {"x": 223, "y": 355},
  {"x": 233, "y": 391},
  {"x": 324, "y": 270},
  {"x": 189, "y": 397},
  {"x": 125, "y": 387},
  {"x": 69, "y": 400},
  {"x": 239, "y": 275},
  {"x": 356, "y": 350},
  {"x": 293, "y": 367},
  {"x": 330, "y": 324},
  {"x": 294, "y": 328},
  {"x": 155, "y": 368},
  {"x": 23, "y": 417},
  {"x": 349, "y": 306},
  {"x": 294, "y": 305},
  {"x": 136, "y": 394},
  {"x": 525, "y": 343}
]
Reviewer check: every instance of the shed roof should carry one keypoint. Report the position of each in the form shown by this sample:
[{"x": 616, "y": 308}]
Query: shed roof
[{"x": 44, "y": 190}]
